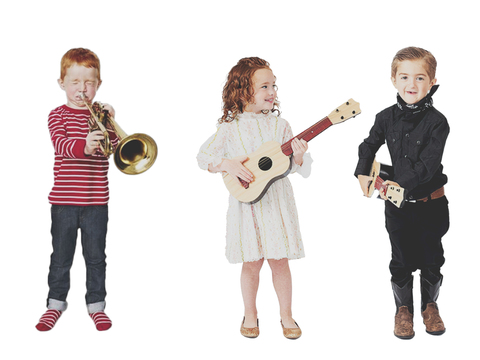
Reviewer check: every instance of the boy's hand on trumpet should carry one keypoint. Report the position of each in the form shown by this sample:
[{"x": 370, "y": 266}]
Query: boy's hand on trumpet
[
  {"x": 110, "y": 109},
  {"x": 92, "y": 142}
]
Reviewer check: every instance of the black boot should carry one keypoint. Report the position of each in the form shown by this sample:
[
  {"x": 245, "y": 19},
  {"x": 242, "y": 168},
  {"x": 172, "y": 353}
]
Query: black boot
[
  {"x": 404, "y": 315},
  {"x": 429, "y": 291},
  {"x": 431, "y": 316}
]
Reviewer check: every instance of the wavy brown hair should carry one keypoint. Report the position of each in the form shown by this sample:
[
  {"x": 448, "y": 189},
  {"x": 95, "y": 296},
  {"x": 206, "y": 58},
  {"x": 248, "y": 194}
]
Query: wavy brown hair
[{"x": 239, "y": 88}]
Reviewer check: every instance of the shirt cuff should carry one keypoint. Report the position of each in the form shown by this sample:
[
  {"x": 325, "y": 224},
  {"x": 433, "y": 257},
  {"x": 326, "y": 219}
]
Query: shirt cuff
[
  {"x": 306, "y": 167},
  {"x": 363, "y": 167}
]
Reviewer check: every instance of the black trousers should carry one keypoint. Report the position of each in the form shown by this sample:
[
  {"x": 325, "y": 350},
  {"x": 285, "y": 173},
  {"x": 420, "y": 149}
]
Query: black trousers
[{"x": 416, "y": 232}]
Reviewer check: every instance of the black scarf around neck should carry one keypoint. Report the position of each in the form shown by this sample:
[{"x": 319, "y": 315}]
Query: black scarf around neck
[{"x": 422, "y": 105}]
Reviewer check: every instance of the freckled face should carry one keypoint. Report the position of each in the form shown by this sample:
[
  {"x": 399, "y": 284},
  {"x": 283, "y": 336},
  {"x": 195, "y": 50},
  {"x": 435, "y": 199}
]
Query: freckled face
[
  {"x": 412, "y": 81},
  {"x": 79, "y": 79},
  {"x": 265, "y": 91}
]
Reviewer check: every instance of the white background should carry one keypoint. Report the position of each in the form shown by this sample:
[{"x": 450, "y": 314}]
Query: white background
[{"x": 171, "y": 291}]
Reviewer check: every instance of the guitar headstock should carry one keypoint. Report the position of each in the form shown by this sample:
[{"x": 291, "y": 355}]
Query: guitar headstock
[
  {"x": 345, "y": 111},
  {"x": 395, "y": 195}
]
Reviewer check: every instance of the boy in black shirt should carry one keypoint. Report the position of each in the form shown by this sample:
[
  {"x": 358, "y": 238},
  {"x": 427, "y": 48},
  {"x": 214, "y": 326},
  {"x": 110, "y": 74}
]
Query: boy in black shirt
[{"x": 415, "y": 133}]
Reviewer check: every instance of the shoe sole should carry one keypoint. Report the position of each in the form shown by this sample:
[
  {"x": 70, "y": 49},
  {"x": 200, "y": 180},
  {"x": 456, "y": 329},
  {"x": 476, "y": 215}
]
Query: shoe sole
[
  {"x": 292, "y": 338},
  {"x": 405, "y": 337},
  {"x": 436, "y": 333}
]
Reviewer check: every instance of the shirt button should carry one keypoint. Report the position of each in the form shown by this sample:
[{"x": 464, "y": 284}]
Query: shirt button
[
  {"x": 418, "y": 142},
  {"x": 406, "y": 155},
  {"x": 407, "y": 135}
]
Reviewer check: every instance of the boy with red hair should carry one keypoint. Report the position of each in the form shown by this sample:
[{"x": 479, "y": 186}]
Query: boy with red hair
[{"x": 80, "y": 194}]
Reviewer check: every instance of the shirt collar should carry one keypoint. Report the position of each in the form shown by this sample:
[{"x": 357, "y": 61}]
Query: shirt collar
[{"x": 422, "y": 105}]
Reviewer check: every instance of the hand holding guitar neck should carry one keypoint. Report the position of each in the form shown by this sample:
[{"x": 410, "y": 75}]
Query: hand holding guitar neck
[
  {"x": 388, "y": 189},
  {"x": 299, "y": 148},
  {"x": 389, "y": 186}
]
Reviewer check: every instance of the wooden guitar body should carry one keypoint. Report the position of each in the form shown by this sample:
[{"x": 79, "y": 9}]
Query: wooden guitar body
[
  {"x": 267, "y": 164},
  {"x": 272, "y": 161}
]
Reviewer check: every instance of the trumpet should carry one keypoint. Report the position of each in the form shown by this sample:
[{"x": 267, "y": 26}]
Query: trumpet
[{"x": 134, "y": 153}]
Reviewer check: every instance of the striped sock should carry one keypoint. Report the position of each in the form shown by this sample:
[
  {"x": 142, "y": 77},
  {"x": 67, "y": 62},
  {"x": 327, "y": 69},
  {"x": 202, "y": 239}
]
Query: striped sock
[
  {"x": 48, "y": 320},
  {"x": 101, "y": 320}
]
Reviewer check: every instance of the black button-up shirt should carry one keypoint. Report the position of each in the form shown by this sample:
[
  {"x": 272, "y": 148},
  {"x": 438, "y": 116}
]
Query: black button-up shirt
[{"x": 415, "y": 142}]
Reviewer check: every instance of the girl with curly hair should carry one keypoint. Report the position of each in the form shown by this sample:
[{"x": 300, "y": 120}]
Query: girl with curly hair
[{"x": 269, "y": 228}]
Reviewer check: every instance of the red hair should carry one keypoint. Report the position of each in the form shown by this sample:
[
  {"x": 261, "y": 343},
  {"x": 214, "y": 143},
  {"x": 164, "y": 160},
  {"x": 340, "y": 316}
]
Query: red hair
[
  {"x": 79, "y": 56},
  {"x": 239, "y": 88}
]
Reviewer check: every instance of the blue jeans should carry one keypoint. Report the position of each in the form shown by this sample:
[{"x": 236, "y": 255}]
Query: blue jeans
[{"x": 66, "y": 220}]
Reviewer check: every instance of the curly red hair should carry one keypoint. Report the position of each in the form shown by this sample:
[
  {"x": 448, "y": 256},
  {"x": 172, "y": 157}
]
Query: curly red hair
[{"x": 239, "y": 88}]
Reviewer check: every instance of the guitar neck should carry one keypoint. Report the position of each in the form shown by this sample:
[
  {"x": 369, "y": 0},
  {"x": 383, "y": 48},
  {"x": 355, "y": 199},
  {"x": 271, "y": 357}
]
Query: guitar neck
[
  {"x": 307, "y": 135},
  {"x": 378, "y": 183}
]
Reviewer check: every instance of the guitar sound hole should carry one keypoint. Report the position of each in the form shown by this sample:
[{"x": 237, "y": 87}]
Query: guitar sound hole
[{"x": 265, "y": 163}]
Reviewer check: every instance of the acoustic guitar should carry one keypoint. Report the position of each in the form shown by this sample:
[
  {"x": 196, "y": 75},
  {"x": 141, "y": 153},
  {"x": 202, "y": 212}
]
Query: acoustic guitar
[
  {"x": 381, "y": 173},
  {"x": 272, "y": 161}
]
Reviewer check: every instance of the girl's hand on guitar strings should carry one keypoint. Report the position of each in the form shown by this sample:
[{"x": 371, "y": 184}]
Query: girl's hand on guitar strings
[
  {"x": 299, "y": 148},
  {"x": 236, "y": 169},
  {"x": 364, "y": 181}
]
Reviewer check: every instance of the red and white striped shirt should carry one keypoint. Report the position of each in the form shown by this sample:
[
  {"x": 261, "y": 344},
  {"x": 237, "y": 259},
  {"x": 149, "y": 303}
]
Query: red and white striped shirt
[{"x": 79, "y": 179}]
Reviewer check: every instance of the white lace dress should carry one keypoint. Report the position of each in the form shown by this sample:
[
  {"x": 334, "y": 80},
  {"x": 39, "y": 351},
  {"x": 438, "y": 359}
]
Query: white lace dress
[{"x": 269, "y": 228}]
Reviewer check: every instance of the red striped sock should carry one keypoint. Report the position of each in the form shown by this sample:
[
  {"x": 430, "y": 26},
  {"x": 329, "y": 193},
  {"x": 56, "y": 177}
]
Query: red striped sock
[
  {"x": 48, "y": 320},
  {"x": 101, "y": 320}
]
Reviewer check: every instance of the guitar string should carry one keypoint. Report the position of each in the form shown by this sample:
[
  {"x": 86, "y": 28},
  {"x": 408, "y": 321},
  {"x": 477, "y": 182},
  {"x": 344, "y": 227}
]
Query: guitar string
[
  {"x": 317, "y": 128},
  {"x": 287, "y": 145}
]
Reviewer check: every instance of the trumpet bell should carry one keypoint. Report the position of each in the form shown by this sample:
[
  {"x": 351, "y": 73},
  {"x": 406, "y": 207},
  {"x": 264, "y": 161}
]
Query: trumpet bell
[{"x": 135, "y": 154}]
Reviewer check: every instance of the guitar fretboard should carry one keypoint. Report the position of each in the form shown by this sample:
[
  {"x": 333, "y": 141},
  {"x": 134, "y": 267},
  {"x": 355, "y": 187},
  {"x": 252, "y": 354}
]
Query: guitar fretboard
[
  {"x": 379, "y": 183},
  {"x": 307, "y": 135}
]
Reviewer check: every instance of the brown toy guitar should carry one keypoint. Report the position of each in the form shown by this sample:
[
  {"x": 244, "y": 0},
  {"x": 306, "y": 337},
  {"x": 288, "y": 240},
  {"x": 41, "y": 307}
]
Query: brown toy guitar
[
  {"x": 381, "y": 173},
  {"x": 272, "y": 161}
]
